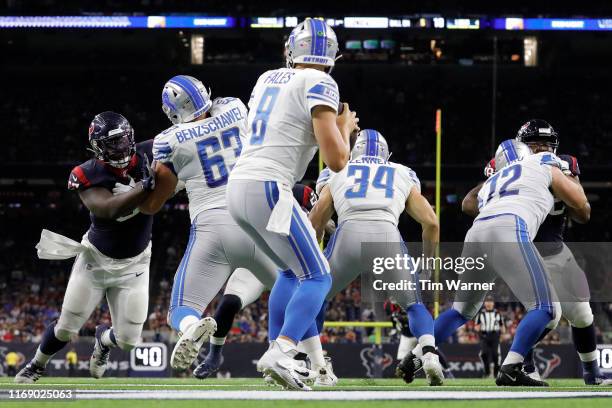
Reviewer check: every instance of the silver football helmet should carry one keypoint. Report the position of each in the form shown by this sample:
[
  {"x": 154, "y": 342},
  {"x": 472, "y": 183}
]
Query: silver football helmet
[
  {"x": 312, "y": 41},
  {"x": 184, "y": 98},
  {"x": 370, "y": 143},
  {"x": 510, "y": 151}
]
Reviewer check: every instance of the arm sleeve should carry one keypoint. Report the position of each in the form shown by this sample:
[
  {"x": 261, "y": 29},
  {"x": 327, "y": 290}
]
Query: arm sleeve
[
  {"x": 409, "y": 178},
  {"x": 321, "y": 89},
  {"x": 78, "y": 180}
]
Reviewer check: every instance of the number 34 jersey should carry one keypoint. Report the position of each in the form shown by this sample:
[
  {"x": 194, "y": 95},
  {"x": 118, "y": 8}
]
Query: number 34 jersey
[
  {"x": 372, "y": 189},
  {"x": 281, "y": 139},
  {"x": 202, "y": 153},
  {"x": 521, "y": 188}
]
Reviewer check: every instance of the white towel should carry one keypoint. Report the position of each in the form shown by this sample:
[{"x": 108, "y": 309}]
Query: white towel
[
  {"x": 280, "y": 219},
  {"x": 56, "y": 246}
]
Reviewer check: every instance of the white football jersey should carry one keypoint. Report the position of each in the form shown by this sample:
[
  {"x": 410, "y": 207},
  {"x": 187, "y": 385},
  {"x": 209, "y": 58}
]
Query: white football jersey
[
  {"x": 372, "y": 189},
  {"x": 202, "y": 153},
  {"x": 281, "y": 139},
  {"x": 521, "y": 188}
]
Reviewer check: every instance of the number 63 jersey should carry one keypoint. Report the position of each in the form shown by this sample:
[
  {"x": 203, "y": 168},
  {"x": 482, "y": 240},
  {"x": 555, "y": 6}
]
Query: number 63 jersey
[
  {"x": 521, "y": 188},
  {"x": 202, "y": 153},
  {"x": 372, "y": 189}
]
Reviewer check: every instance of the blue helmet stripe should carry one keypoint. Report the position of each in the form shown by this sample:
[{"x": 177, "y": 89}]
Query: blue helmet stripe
[
  {"x": 191, "y": 90},
  {"x": 318, "y": 41},
  {"x": 371, "y": 142},
  {"x": 509, "y": 150}
]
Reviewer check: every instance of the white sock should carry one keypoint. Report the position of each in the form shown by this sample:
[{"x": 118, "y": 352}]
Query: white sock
[
  {"x": 587, "y": 357},
  {"x": 217, "y": 341},
  {"x": 513, "y": 358},
  {"x": 41, "y": 359},
  {"x": 427, "y": 340},
  {"x": 105, "y": 339},
  {"x": 312, "y": 346},
  {"x": 418, "y": 351},
  {"x": 285, "y": 345},
  {"x": 186, "y": 322},
  {"x": 412, "y": 342}
]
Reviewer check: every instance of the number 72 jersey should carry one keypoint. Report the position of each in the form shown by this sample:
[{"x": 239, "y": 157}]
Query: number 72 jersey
[
  {"x": 521, "y": 188},
  {"x": 202, "y": 153}
]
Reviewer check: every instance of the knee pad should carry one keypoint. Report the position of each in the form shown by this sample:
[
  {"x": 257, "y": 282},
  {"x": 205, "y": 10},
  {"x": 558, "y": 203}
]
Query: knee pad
[
  {"x": 466, "y": 309},
  {"x": 579, "y": 314}
]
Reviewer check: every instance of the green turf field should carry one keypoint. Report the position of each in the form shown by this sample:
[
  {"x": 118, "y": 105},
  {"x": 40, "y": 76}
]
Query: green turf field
[{"x": 247, "y": 393}]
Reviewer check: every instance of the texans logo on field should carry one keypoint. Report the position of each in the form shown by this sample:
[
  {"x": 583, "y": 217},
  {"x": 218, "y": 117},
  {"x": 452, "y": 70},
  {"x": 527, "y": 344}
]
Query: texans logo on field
[
  {"x": 371, "y": 357},
  {"x": 546, "y": 363}
]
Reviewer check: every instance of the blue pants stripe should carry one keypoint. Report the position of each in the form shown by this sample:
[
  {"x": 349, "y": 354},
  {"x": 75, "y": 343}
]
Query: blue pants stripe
[{"x": 179, "y": 280}]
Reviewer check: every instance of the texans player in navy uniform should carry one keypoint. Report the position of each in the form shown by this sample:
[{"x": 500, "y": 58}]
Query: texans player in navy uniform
[
  {"x": 242, "y": 289},
  {"x": 568, "y": 278},
  {"x": 113, "y": 257}
]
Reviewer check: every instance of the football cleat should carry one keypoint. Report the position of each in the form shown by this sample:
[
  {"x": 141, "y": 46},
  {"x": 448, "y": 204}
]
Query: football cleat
[
  {"x": 282, "y": 368},
  {"x": 99, "y": 357},
  {"x": 513, "y": 375},
  {"x": 326, "y": 376},
  {"x": 29, "y": 374},
  {"x": 433, "y": 369},
  {"x": 207, "y": 367},
  {"x": 601, "y": 379},
  {"x": 408, "y": 368},
  {"x": 188, "y": 346}
]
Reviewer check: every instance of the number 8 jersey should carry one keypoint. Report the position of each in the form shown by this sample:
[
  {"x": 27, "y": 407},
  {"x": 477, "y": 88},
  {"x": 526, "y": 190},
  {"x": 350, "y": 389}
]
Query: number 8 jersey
[
  {"x": 202, "y": 153},
  {"x": 372, "y": 189},
  {"x": 520, "y": 188},
  {"x": 281, "y": 140}
]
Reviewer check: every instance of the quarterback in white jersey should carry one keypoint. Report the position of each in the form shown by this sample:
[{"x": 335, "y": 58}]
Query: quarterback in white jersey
[
  {"x": 293, "y": 112},
  {"x": 200, "y": 151},
  {"x": 369, "y": 195},
  {"x": 513, "y": 203}
]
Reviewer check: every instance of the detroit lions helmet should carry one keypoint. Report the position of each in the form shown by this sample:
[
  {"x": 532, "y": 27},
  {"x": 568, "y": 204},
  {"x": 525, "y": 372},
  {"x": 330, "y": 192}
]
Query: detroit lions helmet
[
  {"x": 312, "y": 42},
  {"x": 184, "y": 98},
  {"x": 510, "y": 151},
  {"x": 370, "y": 143},
  {"x": 112, "y": 139}
]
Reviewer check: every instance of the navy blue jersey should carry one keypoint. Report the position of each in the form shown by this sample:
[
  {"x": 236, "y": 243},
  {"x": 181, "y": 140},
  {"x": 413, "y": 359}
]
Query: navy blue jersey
[
  {"x": 305, "y": 196},
  {"x": 127, "y": 236}
]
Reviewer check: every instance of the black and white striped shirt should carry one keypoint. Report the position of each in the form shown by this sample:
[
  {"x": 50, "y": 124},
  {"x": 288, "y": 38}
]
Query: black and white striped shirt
[{"x": 490, "y": 322}]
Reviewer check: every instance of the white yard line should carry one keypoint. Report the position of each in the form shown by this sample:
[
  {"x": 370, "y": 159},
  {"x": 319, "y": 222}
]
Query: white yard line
[{"x": 330, "y": 395}]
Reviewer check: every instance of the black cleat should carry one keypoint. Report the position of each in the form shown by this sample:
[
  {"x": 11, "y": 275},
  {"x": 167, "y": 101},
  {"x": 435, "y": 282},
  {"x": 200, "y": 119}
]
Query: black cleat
[
  {"x": 29, "y": 374},
  {"x": 408, "y": 367},
  {"x": 512, "y": 375}
]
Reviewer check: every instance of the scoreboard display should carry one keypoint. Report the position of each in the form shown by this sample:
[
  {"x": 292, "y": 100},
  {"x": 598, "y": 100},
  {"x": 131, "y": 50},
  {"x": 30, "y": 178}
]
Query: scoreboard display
[{"x": 604, "y": 357}]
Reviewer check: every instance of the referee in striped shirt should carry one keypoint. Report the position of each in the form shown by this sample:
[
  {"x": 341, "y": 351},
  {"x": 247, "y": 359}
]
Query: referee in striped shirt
[{"x": 490, "y": 324}]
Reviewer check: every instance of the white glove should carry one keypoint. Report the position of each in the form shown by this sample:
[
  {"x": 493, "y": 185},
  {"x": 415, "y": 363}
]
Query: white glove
[
  {"x": 123, "y": 188},
  {"x": 565, "y": 168}
]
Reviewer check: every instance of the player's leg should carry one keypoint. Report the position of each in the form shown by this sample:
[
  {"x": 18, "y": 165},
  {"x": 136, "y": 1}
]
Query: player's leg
[
  {"x": 520, "y": 266},
  {"x": 251, "y": 204},
  {"x": 82, "y": 295},
  {"x": 495, "y": 355},
  {"x": 200, "y": 276},
  {"x": 484, "y": 357},
  {"x": 242, "y": 289}
]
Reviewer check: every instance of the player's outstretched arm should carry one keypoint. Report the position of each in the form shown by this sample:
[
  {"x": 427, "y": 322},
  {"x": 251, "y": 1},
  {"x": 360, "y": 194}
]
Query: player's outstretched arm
[
  {"x": 571, "y": 193},
  {"x": 103, "y": 204},
  {"x": 165, "y": 186},
  {"x": 332, "y": 133},
  {"x": 581, "y": 217},
  {"x": 420, "y": 210},
  {"x": 322, "y": 212},
  {"x": 469, "y": 205}
]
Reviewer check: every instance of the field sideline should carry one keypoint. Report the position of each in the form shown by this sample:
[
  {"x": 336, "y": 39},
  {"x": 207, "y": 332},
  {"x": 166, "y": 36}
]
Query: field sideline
[{"x": 248, "y": 392}]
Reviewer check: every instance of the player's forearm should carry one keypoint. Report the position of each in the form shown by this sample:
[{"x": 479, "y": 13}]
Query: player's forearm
[
  {"x": 431, "y": 239},
  {"x": 122, "y": 204},
  {"x": 580, "y": 215},
  {"x": 469, "y": 205}
]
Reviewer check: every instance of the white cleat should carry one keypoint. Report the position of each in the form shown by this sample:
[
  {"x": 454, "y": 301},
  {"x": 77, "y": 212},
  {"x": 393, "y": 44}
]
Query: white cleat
[
  {"x": 326, "y": 376},
  {"x": 535, "y": 375},
  {"x": 98, "y": 362},
  {"x": 29, "y": 374},
  {"x": 282, "y": 369},
  {"x": 188, "y": 346},
  {"x": 433, "y": 369}
]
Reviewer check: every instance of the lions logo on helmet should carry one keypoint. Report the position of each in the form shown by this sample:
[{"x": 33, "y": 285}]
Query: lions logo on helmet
[
  {"x": 370, "y": 143},
  {"x": 312, "y": 42},
  {"x": 184, "y": 98},
  {"x": 510, "y": 151}
]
